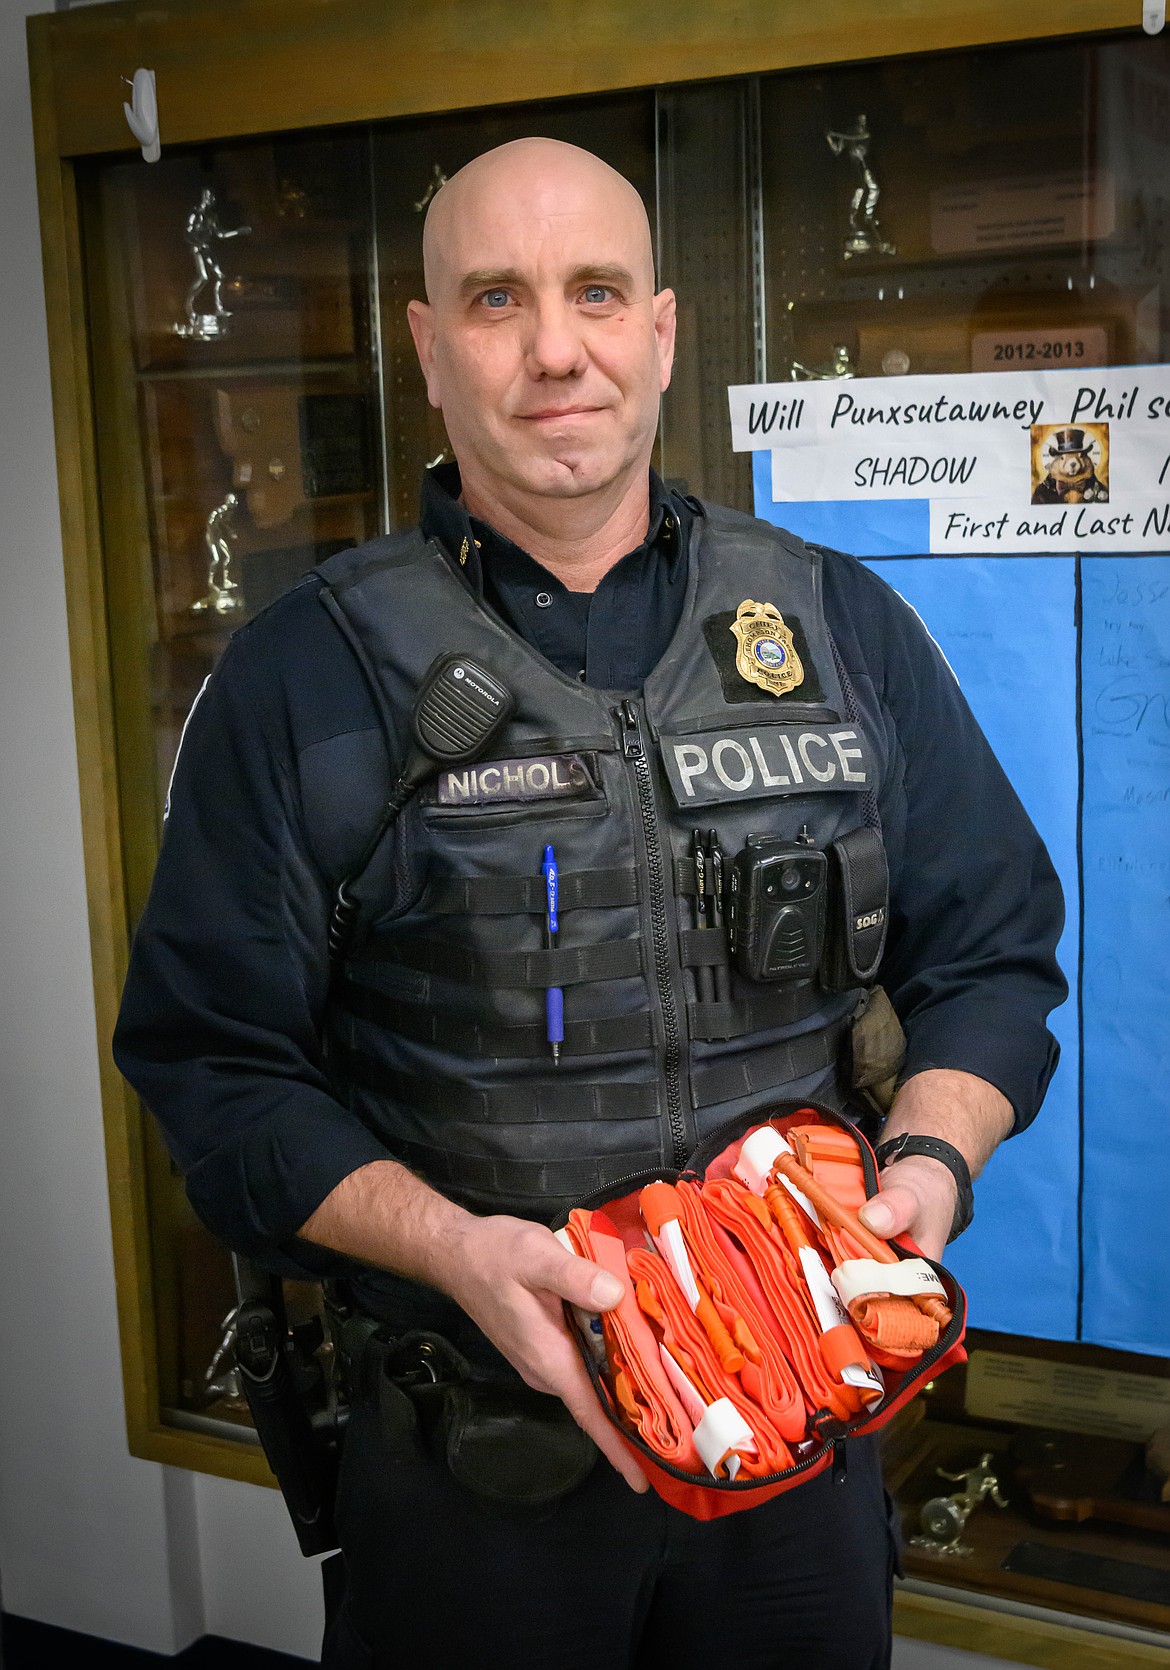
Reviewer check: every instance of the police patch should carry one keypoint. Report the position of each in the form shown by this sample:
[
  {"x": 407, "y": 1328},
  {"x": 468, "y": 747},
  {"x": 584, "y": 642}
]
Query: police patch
[
  {"x": 762, "y": 760},
  {"x": 504, "y": 782}
]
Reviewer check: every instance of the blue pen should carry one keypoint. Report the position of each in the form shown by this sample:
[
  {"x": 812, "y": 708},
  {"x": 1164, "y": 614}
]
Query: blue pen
[{"x": 554, "y": 997}]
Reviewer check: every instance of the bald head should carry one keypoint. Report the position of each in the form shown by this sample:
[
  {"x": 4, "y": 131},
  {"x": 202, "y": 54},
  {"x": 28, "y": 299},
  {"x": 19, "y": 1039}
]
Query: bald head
[
  {"x": 543, "y": 181},
  {"x": 541, "y": 339}
]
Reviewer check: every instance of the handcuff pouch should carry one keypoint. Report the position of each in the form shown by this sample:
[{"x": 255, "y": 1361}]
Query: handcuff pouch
[
  {"x": 507, "y": 1444},
  {"x": 512, "y": 1446}
]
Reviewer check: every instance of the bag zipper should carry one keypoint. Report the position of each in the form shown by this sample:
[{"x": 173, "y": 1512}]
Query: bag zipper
[{"x": 634, "y": 750}]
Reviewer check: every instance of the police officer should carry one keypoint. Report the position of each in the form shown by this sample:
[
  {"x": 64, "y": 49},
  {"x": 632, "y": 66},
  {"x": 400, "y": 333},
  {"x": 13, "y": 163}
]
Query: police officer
[{"x": 396, "y": 1115}]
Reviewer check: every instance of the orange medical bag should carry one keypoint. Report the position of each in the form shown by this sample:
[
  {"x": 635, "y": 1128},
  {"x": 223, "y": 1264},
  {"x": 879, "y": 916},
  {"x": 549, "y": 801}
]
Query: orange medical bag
[{"x": 762, "y": 1326}]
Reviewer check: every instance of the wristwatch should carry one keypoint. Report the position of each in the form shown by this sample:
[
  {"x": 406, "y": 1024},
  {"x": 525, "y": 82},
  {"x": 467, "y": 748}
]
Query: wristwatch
[{"x": 934, "y": 1148}]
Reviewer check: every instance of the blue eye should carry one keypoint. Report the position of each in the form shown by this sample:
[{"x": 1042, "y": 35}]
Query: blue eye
[
  {"x": 497, "y": 298},
  {"x": 597, "y": 294}
]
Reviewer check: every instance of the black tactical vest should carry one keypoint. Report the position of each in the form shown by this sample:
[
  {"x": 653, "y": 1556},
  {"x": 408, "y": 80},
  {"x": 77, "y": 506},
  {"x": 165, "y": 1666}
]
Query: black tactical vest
[{"x": 436, "y": 1033}]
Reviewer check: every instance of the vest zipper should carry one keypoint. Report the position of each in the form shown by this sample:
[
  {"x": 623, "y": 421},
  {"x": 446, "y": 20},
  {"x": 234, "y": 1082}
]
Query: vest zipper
[{"x": 635, "y": 752}]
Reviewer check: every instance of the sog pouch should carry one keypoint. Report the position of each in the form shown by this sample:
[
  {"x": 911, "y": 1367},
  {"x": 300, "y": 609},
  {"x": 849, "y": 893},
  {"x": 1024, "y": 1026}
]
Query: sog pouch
[
  {"x": 860, "y": 883},
  {"x": 762, "y": 1324}
]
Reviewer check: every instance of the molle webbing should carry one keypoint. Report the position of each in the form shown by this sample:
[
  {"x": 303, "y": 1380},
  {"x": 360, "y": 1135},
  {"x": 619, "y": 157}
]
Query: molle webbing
[
  {"x": 764, "y": 1069},
  {"x": 503, "y": 895},
  {"x": 548, "y": 1184},
  {"x": 495, "y": 1040},
  {"x": 566, "y": 965},
  {"x": 765, "y": 1009},
  {"x": 522, "y": 1102},
  {"x": 702, "y": 947},
  {"x": 545, "y": 1102}
]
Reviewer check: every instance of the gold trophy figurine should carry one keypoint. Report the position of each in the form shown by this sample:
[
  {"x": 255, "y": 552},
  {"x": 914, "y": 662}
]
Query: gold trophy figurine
[
  {"x": 223, "y": 595},
  {"x": 864, "y": 236},
  {"x": 840, "y": 365}
]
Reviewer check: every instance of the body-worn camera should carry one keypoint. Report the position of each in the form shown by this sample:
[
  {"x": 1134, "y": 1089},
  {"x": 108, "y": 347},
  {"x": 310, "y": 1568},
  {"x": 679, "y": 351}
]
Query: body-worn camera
[{"x": 777, "y": 909}]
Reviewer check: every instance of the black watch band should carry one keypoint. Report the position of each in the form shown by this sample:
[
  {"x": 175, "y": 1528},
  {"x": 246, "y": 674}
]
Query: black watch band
[{"x": 934, "y": 1148}]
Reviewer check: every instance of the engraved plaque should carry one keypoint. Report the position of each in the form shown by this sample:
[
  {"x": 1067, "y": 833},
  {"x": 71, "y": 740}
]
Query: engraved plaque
[{"x": 335, "y": 445}]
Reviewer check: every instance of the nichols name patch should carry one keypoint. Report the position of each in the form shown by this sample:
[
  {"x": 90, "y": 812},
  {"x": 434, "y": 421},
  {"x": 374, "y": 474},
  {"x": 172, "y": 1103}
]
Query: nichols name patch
[
  {"x": 753, "y": 762},
  {"x": 498, "y": 782}
]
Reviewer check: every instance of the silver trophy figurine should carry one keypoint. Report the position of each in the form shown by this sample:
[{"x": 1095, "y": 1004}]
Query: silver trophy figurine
[
  {"x": 944, "y": 1518},
  {"x": 221, "y": 1377},
  {"x": 864, "y": 236},
  {"x": 840, "y": 365},
  {"x": 204, "y": 324},
  {"x": 437, "y": 181},
  {"x": 223, "y": 595}
]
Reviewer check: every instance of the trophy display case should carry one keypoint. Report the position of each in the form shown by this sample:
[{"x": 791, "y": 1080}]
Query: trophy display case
[
  {"x": 1038, "y": 1473},
  {"x": 238, "y": 415},
  {"x": 991, "y": 211},
  {"x": 248, "y": 402}
]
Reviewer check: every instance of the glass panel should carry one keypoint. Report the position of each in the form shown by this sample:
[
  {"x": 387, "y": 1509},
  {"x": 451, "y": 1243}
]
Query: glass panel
[
  {"x": 238, "y": 444},
  {"x": 706, "y": 205},
  {"x": 1058, "y": 1433},
  {"x": 259, "y": 404},
  {"x": 934, "y": 214},
  {"x": 235, "y": 288}
]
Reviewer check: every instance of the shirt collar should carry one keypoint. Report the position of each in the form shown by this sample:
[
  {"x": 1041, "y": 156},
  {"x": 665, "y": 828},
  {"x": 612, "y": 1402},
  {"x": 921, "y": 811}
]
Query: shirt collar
[{"x": 466, "y": 541}]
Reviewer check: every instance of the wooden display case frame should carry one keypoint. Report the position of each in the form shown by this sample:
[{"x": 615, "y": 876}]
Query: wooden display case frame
[{"x": 266, "y": 66}]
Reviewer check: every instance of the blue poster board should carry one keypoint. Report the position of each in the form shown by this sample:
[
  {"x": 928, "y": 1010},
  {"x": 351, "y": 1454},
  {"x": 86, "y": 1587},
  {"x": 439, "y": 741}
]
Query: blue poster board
[
  {"x": 1125, "y": 731},
  {"x": 1069, "y": 1239}
]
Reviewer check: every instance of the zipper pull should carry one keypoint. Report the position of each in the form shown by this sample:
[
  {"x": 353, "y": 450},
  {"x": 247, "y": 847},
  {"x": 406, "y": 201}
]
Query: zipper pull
[
  {"x": 840, "y": 1461},
  {"x": 632, "y": 740}
]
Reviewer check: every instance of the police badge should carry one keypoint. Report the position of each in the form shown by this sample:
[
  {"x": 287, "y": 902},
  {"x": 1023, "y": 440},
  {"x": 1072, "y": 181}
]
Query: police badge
[{"x": 766, "y": 655}]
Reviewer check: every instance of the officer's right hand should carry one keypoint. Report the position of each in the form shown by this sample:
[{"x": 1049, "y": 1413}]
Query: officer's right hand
[{"x": 511, "y": 1276}]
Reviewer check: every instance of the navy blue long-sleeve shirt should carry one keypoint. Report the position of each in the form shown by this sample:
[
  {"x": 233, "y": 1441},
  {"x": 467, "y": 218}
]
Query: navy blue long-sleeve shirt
[{"x": 220, "y": 1023}]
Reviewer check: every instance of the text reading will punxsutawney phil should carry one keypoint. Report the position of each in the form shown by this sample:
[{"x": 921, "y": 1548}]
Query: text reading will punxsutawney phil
[{"x": 769, "y": 419}]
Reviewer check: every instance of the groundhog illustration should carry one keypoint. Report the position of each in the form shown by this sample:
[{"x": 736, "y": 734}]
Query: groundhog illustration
[{"x": 1071, "y": 477}]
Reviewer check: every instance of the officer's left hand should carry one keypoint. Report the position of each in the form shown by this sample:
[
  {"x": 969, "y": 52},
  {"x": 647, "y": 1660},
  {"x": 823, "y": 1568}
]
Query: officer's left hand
[{"x": 917, "y": 1195}]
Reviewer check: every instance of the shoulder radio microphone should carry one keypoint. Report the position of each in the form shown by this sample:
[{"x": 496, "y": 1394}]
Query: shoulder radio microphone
[{"x": 460, "y": 708}]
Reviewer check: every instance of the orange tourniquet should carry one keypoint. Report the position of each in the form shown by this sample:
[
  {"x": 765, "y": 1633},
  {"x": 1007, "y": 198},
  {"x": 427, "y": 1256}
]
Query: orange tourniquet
[
  {"x": 673, "y": 1321},
  {"x": 793, "y": 1323},
  {"x": 766, "y": 1376},
  {"x": 897, "y": 1330},
  {"x": 641, "y": 1386}
]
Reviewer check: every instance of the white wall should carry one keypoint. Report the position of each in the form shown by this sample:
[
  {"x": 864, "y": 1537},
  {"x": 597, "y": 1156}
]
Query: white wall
[{"x": 90, "y": 1538}]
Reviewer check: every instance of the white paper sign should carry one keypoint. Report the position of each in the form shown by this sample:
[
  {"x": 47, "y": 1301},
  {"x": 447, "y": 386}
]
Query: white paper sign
[{"x": 1019, "y": 461}]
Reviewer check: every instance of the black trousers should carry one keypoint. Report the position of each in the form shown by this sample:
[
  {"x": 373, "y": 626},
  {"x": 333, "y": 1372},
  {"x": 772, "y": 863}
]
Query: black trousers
[{"x": 606, "y": 1580}]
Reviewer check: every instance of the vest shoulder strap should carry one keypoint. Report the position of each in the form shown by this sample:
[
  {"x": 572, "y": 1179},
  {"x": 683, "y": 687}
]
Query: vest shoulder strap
[
  {"x": 393, "y": 550},
  {"x": 751, "y": 530}
]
